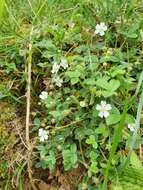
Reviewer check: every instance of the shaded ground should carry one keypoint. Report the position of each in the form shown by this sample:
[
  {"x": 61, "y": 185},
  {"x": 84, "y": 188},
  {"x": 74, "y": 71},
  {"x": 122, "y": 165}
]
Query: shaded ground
[{"x": 13, "y": 157}]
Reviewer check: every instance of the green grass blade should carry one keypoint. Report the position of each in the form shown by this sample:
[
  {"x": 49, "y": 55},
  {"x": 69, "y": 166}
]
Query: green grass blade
[
  {"x": 139, "y": 83},
  {"x": 134, "y": 137},
  {"x": 115, "y": 142},
  {"x": 2, "y": 9},
  {"x": 137, "y": 122}
]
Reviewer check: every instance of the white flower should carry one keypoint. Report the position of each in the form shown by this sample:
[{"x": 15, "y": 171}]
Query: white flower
[
  {"x": 43, "y": 135},
  {"x": 58, "y": 81},
  {"x": 82, "y": 104},
  {"x": 131, "y": 127},
  {"x": 103, "y": 109},
  {"x": 64, "y": 63},
  {"x": 43, "y": 95},
  {"x": 100, "y": 29},
  {"x": 71, "y": 24},
  {"x": 55, "y": 68}
]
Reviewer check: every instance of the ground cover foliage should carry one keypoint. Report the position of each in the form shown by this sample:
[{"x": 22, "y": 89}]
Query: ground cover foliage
[{"x": 86, "y": 93}]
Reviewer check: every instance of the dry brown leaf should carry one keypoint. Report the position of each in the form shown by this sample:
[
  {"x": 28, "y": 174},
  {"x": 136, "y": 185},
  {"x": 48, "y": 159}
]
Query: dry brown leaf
[{"x": 44, "y": 186}]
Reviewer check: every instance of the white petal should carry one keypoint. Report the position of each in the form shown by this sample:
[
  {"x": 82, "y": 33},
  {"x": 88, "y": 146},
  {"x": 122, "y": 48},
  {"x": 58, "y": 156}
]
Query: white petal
[
  {"x": 40, "y": 132},
  {"x": 131, "y": 127},
  {"x": 55, "y": 68},
  {"x": 97, "y": 27},
  {"x": 100, "y": 29},
  {"x": 43, "y": 95},
  {"x": 58, "y": 81},
  {"x": 82, "y": 103},
  {"x": 102, "y": 24},
  {"x": 101, "y": 114},
  {"x": 42, "y": 139},
  {"x": 103, "y": 103},
  {"x": 108, "y": 107},
  {"x": 45, "y": 132},
  {"x": 105, "y": 28},
  {"x": 101, "y": 33},
  {"x": 96, "y": 32},
  {"x": 98, "y": 107},
  {"x": 40, "y": 96},
  {"x": 64, "y": 63},
  {"x": 71, "y": 24},
  {"x": 46, "y": 137},
  {"x": 106, "y": 114}
]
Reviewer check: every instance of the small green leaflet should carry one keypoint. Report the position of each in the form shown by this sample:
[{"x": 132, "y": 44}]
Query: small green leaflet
[{"x": 109, "y": 86}]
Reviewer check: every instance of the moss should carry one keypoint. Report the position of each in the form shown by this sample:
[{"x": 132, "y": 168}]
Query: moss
[
  {"x": 7, "y": 112},
  {"x": 7, "y": 138}
]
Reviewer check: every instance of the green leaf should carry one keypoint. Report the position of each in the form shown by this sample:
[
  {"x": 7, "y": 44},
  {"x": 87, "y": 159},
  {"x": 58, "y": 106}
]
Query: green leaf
[
  {"x": 93, "y": 156},
  {"x": 47, "y": 160},
  {"x": 107, "y": 94},
  {"x": 37, "y": 124},
  {"x": 109, "y": 58},
  {"x": 74, "y": 80},
  {"x": 49, "y": 103},
  {"x": 93, "y": 168},
  {"x": 117, "y": 187},
  {"x": 113, "y": 85},
  {"x": 113, "y": 119},
  {"x": 74, "y": 76},
  {"x": 50, "y": 49},
  {"x": 118, "y": 70},
  {"x": 70, "y": 157},
  {"x": 90, "y": 81},
  {"x": 56, "y": 114},
  {"x": 114, "y": 116},
  {"x": 135, "y": 162},
  {"x": 102, "y": 82},
  {"x": 59, "y": 114},
  {"x": 130, "y": 119},
  {"x": 81, "y": 133},
  {"x": 102, "y": 129},
  {"x": 50, "y": 160},
  {"x": 131, "y": 35},
  {"x": 109, "y": 86},
  {"x": 92, "y": 141}
]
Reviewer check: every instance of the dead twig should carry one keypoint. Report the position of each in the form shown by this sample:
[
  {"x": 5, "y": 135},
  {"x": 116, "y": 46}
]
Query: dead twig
[{"x": 28, "y": 95}]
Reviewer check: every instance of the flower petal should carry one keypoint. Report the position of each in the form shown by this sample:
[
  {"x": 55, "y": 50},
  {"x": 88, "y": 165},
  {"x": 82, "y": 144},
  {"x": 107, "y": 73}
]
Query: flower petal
[
  {"x": 41, "y": 139},
  {"x": 98, "y": 107},
  {"x": 106, "y": 114},
  {"x": 40, "y": 132},
  {"x": 96, "y": 32},
  {"x": 46, "y": 137},
  {"x": 108, "y": 107},
  {"x": 97, "y": 27},
  {"x": 103, "y": 103},
  {"x": 101, "y": 114},
  {"x": 101, "y": 33},
  {"x": 103, "y": 26},
  {"x": 55, "y": 68},
  {"x": 131, "y": 127},
  {"x": 64, "y": 63}
]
